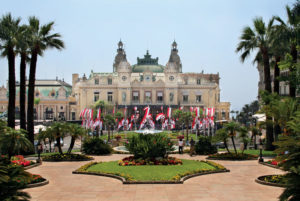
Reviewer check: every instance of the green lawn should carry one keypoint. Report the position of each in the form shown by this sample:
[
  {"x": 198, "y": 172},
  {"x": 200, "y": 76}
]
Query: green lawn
[
  {"x": 151, "y": 172},
  {"x": 253, "y": 152}
]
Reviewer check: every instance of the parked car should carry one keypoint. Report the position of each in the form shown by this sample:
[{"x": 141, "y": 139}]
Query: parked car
[{"x": 220, "y": 145}]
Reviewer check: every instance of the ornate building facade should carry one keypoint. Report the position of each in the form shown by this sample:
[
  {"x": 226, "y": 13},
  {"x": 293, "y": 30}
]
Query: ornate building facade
[{"x": 149, "y": 83}]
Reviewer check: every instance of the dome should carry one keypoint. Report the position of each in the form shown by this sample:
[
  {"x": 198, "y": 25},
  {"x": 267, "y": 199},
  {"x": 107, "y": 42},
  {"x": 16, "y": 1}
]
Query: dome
[
  {"x": 124, "y": 66},
  {"x": 152, "y": 68}
]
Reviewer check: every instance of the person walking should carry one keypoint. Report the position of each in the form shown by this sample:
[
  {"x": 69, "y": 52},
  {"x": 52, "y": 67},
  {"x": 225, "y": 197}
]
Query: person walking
[
  {"x": 180, "y": 145},
  {"x": 192, "y": 147}
]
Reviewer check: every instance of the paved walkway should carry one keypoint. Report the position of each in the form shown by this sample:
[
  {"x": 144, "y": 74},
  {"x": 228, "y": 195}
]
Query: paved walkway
[{"x": 237, "y": 185}]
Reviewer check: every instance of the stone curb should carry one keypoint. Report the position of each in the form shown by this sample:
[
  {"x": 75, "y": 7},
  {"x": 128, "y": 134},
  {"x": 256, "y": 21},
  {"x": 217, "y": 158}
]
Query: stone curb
[
  {"x": 181, "y": 181},
  {"x": 37, "y": 184},
  {"x": 269, "y": 165},
  {"x": 258, "y": 180},
  {"x": 217, "y": 159},
  {"x": 32, "y": 166},
  {"x": 69, "y": 160}
]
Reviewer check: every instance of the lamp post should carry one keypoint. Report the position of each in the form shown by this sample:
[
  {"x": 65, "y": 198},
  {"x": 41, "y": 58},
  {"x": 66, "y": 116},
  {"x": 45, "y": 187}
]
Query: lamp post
[
  {"x": 39, "y": 149},
  {"x": 260, "y": 151}
]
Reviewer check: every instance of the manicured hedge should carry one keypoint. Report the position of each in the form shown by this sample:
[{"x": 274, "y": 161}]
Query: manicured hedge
[
  {"x": 67, "y": 157},
  {"x": 232, "y": 156},
  {"x": 95, "y": 146},
  {"x": 205, "y": 147}
]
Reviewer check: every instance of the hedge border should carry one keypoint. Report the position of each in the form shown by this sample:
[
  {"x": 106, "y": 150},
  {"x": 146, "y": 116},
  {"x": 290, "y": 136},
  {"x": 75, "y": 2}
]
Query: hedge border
[
  {"x": 270, "y": 165},
  {"x": 37, "y": 184},
  {"x": 32, "y": 166},
  {"x": 260, "y": 181},
  {"x": 124, "y": 181}
]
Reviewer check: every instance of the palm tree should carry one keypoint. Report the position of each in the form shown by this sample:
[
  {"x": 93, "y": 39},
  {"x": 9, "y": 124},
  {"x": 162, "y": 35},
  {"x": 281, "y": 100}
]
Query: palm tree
[
  {"x": 48, "y": 134},
  {"x": 291, "y": 31},
  {"x": 232, "y": 128},
  {"x": 40, "y": 40},
  {"x": 14, "y": 141},
  {"x": 9, "y": 29},
  {"x": 257, "y": 39},
  {"x": 75, "y": 132},
  {"x": 222, "y": 135},
  {"x": 254, "y": 133},
  {"x": 244, "y": 136},
  {"x": 23, "y": 50},
  {"x": 58, "y": 130}
]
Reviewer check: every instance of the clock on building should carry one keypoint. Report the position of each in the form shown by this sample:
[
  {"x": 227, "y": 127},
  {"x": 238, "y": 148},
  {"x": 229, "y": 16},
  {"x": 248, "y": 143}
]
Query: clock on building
[
  {"x": 171, "y": 78},
  {"x": 124, "y": 78},
  {"x": 148, "y": 78}
]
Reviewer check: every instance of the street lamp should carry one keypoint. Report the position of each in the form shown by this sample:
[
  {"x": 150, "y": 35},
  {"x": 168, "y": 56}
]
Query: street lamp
[
  {"x": 260, "y": 151},
  {"x": 39, "y": 150}
]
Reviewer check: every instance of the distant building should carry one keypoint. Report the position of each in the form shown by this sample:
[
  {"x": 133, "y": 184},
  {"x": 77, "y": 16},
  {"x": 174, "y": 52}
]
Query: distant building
[
  {"x": 149, "y": 83},
  {"x": 55, "y": 100}
]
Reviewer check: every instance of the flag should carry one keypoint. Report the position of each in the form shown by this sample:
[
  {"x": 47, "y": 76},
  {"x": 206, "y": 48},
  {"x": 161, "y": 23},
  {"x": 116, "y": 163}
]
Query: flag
[
  {"x": 181, "y": 108},
  {"x": 172, "y": 124},
  {"x": 162, "y": 108},
  {"x": 169, "y": 112},
  {"x": 147, "y": 110},
  {"x": 113, "y": 110},
  {"x": 121, "y": 123},
  {"x": 132, "y": 118},
  {"x": 191, "y": 109},
  {"x": 130, "y": 126},
  {"x": 99, "y": 113},
  {"x": 125, "y": 110},
  {"x": 159, "y": 116},
  {"x": 135, "y": 108},
  {"x": 197, "y": 111}
]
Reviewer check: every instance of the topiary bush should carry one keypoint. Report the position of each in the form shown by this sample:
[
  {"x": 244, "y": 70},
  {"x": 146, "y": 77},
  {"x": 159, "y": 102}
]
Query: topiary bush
[
  {"x": 149, "y": 146},
  {"x": 95, "y": 146},
  {"x": 204, "y": 146}
]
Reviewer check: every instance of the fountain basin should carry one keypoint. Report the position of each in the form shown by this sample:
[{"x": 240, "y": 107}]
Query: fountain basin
[
  {"x": 148, "y": 131},
  {"x": 124, "y": 150}
]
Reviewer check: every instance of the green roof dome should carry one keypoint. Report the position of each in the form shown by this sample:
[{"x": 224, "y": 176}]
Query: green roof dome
[{"x": 147, "y": 63}]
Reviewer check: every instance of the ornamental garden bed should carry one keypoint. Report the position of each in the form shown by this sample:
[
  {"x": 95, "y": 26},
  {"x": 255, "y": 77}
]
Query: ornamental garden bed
[
  {"x": 19, "y": 160},
  {"x": 272, "y": 180},
  {"x": 271, "y": 163},
  {"x": 36, "y": 181},
  {"x": 232, "y": 156},
  {"x": 67, "y": 157},
  {"x": 151, "y": 174}
]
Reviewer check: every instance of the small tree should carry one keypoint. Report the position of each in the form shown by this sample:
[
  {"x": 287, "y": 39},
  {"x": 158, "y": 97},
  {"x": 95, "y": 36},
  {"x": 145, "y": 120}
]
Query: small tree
[
  {"x": 58, "y": 130},
  {"x": 13, "y": 141},
  {"x": 186, "y": 118},
  {"x": 75, "y": 132},
  {"x": 231, "y": 128},
  {"x": 109, "y": 121},
  {"x": 222, "y": 135},
  {"x": 244, "y": 136},
  {"x": 254, "y": 133}
]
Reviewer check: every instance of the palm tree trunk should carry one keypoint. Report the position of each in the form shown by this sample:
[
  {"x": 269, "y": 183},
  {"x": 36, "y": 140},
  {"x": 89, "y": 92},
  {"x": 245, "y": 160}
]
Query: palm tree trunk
[
  {"x": 226, "y": 146},
  {"x": 11, "y": 88},
  {"x": 255, "y": 145},
  {"x": 269, "y": 133},
  {"x": 233, "y": 143},
  {"x": 50, "y": 142},
  {"x": 23, "y": 91},
  {"x": 30, "y": 102},
  {"x": 58, "y": 145},
  {"x": 276, "y": 75},
  {"x": 267, "y": 76},
  {"x": 277, "y": 131},
  {"x": 71, "y": 145},
  {"x": 292, "y": 88},
  {"x": 187, "y": 133}
]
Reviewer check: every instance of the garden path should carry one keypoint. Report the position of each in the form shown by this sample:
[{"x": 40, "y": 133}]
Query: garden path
[{"x": 237, "y": 185}]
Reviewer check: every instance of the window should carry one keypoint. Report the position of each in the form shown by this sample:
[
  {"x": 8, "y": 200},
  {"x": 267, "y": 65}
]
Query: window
[
  {"x": 96, "y": 96},
  {"x": 109, "y": 96},
  {"x": 198, "y": 81},
  {"x": 284, "y": 90},
  {"x": 185, "y": 98},
  {"x": 198, "y": 99},
  {"x": 109, "y": 81},
  {"x": 147, "y": 97},
  {"x": 135, "y": 96},
  {"x": 37, "y": 94},
  {"x": 73, "y": 116},
  {"x": 123, "y": 96},
  {"x": 171, "y": 78},
  {"x": 171, "y": 97},
  {"x": 61, "y": 107},
  {"x": 97, "y": 81},
  {"x": 159, "y": 97},
  {"x": 52, "y": 94}
]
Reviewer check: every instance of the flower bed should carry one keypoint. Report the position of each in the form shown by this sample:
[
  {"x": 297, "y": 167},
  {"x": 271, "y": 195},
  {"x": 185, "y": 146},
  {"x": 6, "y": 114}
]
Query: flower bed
[
  {"x": 131, "y": 161},
  {"x": 67, "y": 157},
  {"x": 232, "y": 156},
  {"x": 151, "y": 174},
  {"x": 19, "y": 160},
  {"x": 272, "y": 180}
]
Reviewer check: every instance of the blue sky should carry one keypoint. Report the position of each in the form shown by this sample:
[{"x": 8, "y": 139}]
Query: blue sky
[{"x": 207, "y": 33}]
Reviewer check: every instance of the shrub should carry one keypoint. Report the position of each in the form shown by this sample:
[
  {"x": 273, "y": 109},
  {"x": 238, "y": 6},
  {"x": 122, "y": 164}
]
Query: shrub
[
  {"x": 66, "y": 157},
  {"x": 95, "y": 146},
  {"x": 131, "y": 161},
  {"x": 204, "y": 146},
  {"x": 149, "y": 146},
  {"x": 230, "y": 156}
]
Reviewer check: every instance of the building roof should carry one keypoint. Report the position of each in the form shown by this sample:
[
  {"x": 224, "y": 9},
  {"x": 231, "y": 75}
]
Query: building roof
[{"x": 147, "y": 63}]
